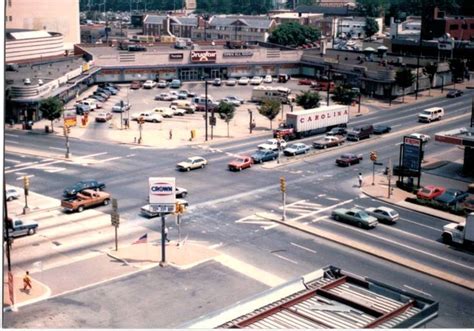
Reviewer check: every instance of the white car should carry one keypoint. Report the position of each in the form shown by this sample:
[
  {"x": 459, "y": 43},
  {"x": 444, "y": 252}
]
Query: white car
[
  {"x": 231, "y": 101},
  {"x": 268, "y": 79},
  {"x": 383, "y": 214},
  {"x": 12, "y": 194},
  {"x": 424, "y": 137},
  {"x": 162, "y": 83},
  {"x": 235, "y": 100},
  {"x": 164, "y": 111},
  {"x": 193, "y": 162},
  {"x": 231, "y": 82},
  {"x": 178, "y": 111},
  {"x": 272, "y": 144},
  {"x": 121, "y": 107},
  {"x": 149, "y": 84},
  {"x": 256, "y": 80},
  {"x": 166, "y": 97},
  {"x": 148, "y": 116},
  {"x": 243, "y": 80}
]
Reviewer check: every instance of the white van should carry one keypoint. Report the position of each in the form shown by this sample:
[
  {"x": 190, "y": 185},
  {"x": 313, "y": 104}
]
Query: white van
[{"x": 431, "y": 114}]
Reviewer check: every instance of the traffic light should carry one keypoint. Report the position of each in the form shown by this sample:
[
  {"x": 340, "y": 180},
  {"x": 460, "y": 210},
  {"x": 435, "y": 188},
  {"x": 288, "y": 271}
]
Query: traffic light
[
  {"x": 179, "y": 208},
  {"x": 26, "y": 182},
  {"x": 141, "y": 120},
  {"x": 282, "y": 184},
  {"x": 68, "y": 129},
  {"x": 373, "y": 156}
]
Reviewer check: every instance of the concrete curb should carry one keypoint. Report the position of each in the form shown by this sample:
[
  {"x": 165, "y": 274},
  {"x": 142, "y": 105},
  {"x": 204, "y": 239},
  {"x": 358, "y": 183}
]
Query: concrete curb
[{"x": 411, "y": 264}]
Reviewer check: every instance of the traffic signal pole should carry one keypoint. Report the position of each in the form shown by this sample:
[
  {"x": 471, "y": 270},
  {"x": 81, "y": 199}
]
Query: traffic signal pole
[{"x": 283, "y": 196}]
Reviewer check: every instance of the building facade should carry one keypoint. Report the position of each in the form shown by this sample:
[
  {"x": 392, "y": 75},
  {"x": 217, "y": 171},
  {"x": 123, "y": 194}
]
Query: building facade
[
  {"x": 440, "y": 24},
  {"x": 161, "y": 25},
  {"x": 21, "y": 45},
  {"x": 60, "y": 16}
]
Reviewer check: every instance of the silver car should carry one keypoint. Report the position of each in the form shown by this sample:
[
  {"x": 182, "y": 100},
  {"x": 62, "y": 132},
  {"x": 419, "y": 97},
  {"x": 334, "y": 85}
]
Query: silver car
[
  {"x": 12, "y": 194},
  {"x": 383, "y": 214}
]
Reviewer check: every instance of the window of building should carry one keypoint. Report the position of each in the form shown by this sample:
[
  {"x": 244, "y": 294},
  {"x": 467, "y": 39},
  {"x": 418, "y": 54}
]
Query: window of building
[
  {"x": 10, "y": 18},
  {"x": 9, "y": 3},
  {"x": 464, "y": 26},
  {"x": 472, "y": 26},
  {"x": 453, "y": 27}
]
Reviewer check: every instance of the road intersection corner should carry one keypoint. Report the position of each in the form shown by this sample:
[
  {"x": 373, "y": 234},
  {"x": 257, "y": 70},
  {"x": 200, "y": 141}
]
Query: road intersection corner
[{"x": 38, "y": 292}]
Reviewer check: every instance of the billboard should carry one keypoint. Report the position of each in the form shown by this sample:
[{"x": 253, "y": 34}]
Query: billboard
[
  {"x": 161, "y": 193},
  {"x": 203, "y": 56},
  {"x": 412, "y": 152}
]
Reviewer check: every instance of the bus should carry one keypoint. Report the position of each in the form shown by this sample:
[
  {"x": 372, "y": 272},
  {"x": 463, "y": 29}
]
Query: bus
[{"x": 282, "y": 94}]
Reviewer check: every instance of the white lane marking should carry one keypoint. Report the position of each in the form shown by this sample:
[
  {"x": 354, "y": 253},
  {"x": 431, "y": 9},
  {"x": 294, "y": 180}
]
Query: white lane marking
[
  {"x": 11, "y": 141},
  {"x": 6, "y": 168},
  {"x": 25, "y": 164},
  {"x": 11, "y": 135},
  {"x": 414, "y": 289},
  {"x": 109, "y": 159},
  {"x": 396, "y": 126},
  {"x": 321, "y": 195},
  {"x": 130, "y": 155},
  {"x": 285, "y": 258},
  {"x": 296, "y": 202},
  {"x": 305, "y": 248},
  {"x": 91, "y": 155},
  {"x": 33, "y": 165},
  {"x": 57, "y": 148},
  {"x": 423, "y": 225},
  {"x": 12, "y": 161},
  {"x": 319, "y": 219},
  {"x": 54, "y": 169},
  {"x": 333, "y": 199},
  {"x": 215, "y": 246},
  {"x": 398, "y": 144},
  {"x": 322, "y": 210},
  {"x": 252, "y": 219}
]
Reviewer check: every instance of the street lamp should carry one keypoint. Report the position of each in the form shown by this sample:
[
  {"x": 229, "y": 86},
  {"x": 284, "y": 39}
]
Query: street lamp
[
  {"x": 250, "y": 120},
  {"x": 206, "y": 106}
]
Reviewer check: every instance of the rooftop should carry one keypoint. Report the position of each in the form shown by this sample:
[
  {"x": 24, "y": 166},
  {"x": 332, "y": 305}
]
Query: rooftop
[{"x": 256, "y": 22}]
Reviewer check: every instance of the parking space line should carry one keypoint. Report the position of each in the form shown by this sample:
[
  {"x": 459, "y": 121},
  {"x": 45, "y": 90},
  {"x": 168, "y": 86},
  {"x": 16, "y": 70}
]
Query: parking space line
[
  {"x": 285, "y": 258},
  {"x": 305, "y": 248}
]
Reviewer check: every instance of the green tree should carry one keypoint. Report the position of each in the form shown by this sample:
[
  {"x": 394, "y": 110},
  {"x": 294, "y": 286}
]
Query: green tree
[
  {"x": 371, "y": 27},
  {"x": 51, "y": 109},
  {"x": 294, "y": 34},
  {"x": 344, "y": 95},
  {"x": 458, "y": 68},
  {"x": 371, "y": 8},
  {"x": 226, "y": 112},
  {"x": 404, "y": 78},
  {"x": 431, "y": 69},
  {"x": 308, "y": 99},
  {"x": 270, "y": 109}
]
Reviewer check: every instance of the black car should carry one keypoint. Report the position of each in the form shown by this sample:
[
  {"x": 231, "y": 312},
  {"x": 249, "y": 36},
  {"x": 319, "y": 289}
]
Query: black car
[
  {"x": 264, "y": 155},
  {"x": 97, "y": 97},
  {"x": 101, "y": 94},
  {"x": 104, "y": 91},
  {"x": 71, "y": 191},
  {"x": 337, "y": 131},
  {"x": 454, "y": 94},
  {"x": 380, "y": 129}
]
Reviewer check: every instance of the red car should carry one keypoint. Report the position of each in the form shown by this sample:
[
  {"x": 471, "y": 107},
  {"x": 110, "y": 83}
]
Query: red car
[
  {"x": 135, "y": 85},
  {"x": 305, "y": 82},
  {"x": 348, "y": 159},
  {"x": 242, "y": 162},
  {"x": 430, "y": 192}
]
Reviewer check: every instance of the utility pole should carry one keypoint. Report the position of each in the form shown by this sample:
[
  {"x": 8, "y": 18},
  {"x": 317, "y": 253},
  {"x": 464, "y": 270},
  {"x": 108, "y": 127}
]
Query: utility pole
[
  {"x": 329, "y": 84},
  {"x": 115, "y": 219},
  {"x": 26, "y": 187},
  {"x": 141, "y": 120},
  {"x": 373, "y": 158},
  {"x": 163, "y": 254},
  {"x": 250, "y": 120},
  {"x": 67, "y": 131},
  {"x": 283, "y": 196},
  {"x": 205, "y": 116},
  {"x": 8, "y": 243},
  {"x": 389, "y": 176}
]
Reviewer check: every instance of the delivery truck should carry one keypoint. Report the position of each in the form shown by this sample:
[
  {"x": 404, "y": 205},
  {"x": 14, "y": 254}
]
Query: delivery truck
[
  {"x": 462, "y": 233},
  {"x": 307, "y": 122}
]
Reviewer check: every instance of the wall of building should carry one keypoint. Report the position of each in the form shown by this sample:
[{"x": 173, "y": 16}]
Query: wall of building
[
  {"x": 52, "y": 15},
  {"x": 25, "y": 49}
]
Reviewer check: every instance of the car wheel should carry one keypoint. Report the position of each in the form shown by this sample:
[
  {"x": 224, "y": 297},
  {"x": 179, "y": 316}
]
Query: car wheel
[
  {"x": 188, "y": 169},
  {"x": 325, "y": 146},
  {"x": 359, "y": 224},
  {"x": 106, "y": 202},
  {"x": 31, "y": 231},
  {"x": 447, "y": 239},
  {"x": 155, "y": 121},
  {"x": 336, "y": 217},
  {"x": 202, "y": 166},
  {"x": 80, "y": 209},
  {"x": 240, "y": 169},
  {"x": 184, "y": 194},
  {"x": 10, "y": 199}
]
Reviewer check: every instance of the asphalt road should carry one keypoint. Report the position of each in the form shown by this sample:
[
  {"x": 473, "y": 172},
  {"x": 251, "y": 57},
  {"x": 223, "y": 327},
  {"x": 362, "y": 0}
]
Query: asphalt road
[{"x": 221, "y": 205}]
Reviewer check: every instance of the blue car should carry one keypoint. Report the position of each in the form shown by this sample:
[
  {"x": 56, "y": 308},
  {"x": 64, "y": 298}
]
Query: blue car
[
  {"x": 451, "y": 197},
  {"x": 264, "y": 155},
  {"x": 295, "y": 149}
]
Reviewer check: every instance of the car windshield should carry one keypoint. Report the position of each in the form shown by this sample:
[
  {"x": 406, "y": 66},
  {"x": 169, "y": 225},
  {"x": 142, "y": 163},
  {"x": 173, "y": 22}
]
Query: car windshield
[
  {"x": 240, "y": 160},
  {"x": 363, "y": 215},
  {"x": 424, "y": 112},
  {"x": 426, "y": 191},
  {"x": 345, "y": 156},
  {"x": 393, "y": 213}
]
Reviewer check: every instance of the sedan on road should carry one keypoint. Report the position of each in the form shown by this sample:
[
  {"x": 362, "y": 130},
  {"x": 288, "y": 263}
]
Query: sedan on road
[
  {"x": 235, "y": 100},
  {"x": 264, "y": 155},
  {"x": 268, "y": 79},
  {"x": 383, "y": 214},
  {"x": 194, "y": 162},
  {"x": 430, "y": 192},
  {"x": 295, "y": 149},
  {"x": 272, "y": 144},
  {"x": 304, "y": 82},
  {"x": 337, "y": 131},
  {"x": 162, "y": 84},
  {"x": 256, "y": 80},
  {"x": 181, "y": 192},
  {"x": 381, "y": 129},
  {"x": 149, "y": 84},
  {"x": 424, "y": 137},
  {"x": 166, "y": 97},
  {"x": 348, "y": 159},
  {"x": 454, "y": 94},
  {"x": 82, "y": 185},
  {"x": 355, "y": 216},
  {"x": 240, "y": 163},
  {"x": 12, "y": 194}
]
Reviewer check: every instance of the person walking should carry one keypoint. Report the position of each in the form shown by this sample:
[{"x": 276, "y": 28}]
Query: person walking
[
  {"x": 171, "y": 134},
  {"x": 360, "y": 179},
  {"x": 27, "y": 282},
  {"x": 166, "y": 234}
]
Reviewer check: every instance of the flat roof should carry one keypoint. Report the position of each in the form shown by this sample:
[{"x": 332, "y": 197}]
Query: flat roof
[
  {"x": 326, "y": 298},
  {"x": 459, "y": 136}
]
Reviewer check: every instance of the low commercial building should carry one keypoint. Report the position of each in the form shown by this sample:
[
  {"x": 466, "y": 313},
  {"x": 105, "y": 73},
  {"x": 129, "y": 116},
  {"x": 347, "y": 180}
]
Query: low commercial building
[
  {"x": 329, "y": 298},
  {"x": 294, "y": 17},
  {"x": 355, "y": 26},
  {"x": 463, "y": 137}
]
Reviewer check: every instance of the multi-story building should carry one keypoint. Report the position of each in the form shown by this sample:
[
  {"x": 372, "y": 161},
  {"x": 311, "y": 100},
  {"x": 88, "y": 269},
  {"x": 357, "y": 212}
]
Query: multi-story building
[
  {"x": 190, "y": 4},
  {"x": 164, "y": 25},
  {"x": 459, "y": 27},
  {"x": 408, "y": 29},
  {"x": 60, "y": 16},
  {"x": 355, "y": 26},
  {"x": 303, "y": 19}
]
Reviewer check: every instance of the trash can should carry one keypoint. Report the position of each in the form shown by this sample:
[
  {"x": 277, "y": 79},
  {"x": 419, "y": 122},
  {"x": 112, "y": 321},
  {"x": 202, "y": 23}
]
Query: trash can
[{"x": 46, "y": 129}]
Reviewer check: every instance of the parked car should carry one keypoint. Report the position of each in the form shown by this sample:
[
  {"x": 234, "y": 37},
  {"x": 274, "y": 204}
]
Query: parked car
[
  {"x": 148, "y": 116},
  {"x": 235, "y": 100},
  {"x": 103, "y": 117},
  {"x": 183, "y": 94},
  {"x": 243, "y": 81},
  {"x": 12, "y": 194},
  {"x": 241, "y": 162},
  {"x": 166, "y": 97},
  {"x": 283, "y": 78},
  {"x": 231, "y": 82},
  {"x": 451, "y": 197},
  {"x": 92, "y": 184},
  {"x": 381, "y": 129},
  {"x": 272, "y": 144},
  {"x": 82, "y": 109},
  {"x": 355, "y": 216},
  {"x": 19, "y": 227},
  {"x": 193, "y": 162},
  {"x": 162, "y": 83},
  {"x": 337, "y": 131},
  {"x": 166, "y": 112},
  {"x": 120, "y": 107},
  {"x": 268, "y": 79},
  {"x": 85, "y": 199},
  {"x": 256, "y": 80},
  {"x": 149, "y": 84},
  {"x": 305, "y": 82},
  {"x": 348, "y": 159},
  {"x": 430, "y": 192},
  {"x": 329, "y": 141},
  {"x": 187, "y": 105},
  {"x": 454, "y": 94},
  {"x": 189, "y": 94},
  {"x": 217, "y": 82},
  {"x": 383, "y": 214},
  {"x": 468, "y": 205},
  {"x": 424, "y": 137},
  {"x": 135, "y": 85},
  {"x": 112, "y": 90},
  {"x": 102, "y": 95},
  {"x": 97, "y": 97},
  {"x": 178, "y": 111},
  {"x": 104, "y": 91},
  {"x": 264, "y": 155},
  {"x": 295, "y": 149},
  {"x": 175, "y": 83},
  {"x": 360, "y": 132}
]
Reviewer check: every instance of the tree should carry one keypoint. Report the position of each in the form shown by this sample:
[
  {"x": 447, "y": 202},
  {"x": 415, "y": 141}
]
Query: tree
[
  {"x": 404, "y": 78},
  {"x": 371, "y": 8},
  {"x": 51, "y": 109},
  {"x": 431, "y": 69},
  {"x": 270, "y": 109},
  {"x": 371, "y": 27},
  {"x": 344, "y": 95},
  {"x": 308, "y": 99},
  {"x": 226, "y": 112},
  {"x": 458, "y": 68},
  {"x": 294, "y": 34}
]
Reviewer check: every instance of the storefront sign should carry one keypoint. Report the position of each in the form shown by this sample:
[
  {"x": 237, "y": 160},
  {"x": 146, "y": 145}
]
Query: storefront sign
[
  {"x": 412, "y": 151},
  {"x": 238, "y": 54},
  {"x": 203, "y": 56},
  {"x": 176, "y": 56}
]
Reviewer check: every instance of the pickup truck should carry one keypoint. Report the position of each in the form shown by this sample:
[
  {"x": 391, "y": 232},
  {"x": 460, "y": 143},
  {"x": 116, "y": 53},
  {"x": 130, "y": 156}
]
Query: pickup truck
[
  {"x": 329, "y": 141},
  {"x": 85, "y": 199},
  {"x": 18, "y": 227},
  {"x": 355, "y": 216}
]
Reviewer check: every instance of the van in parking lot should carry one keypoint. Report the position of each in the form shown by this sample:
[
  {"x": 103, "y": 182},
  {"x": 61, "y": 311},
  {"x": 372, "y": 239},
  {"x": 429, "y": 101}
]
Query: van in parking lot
[
  {"x": 184, "y": 104},
  {"x": 431, "y": 114},
  {"x": 175, "y": 83},
  {"x": 360, "y": 132}
]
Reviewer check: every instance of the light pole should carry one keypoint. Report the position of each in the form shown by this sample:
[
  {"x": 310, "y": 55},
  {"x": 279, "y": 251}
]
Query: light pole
[
  {"x": 8, "y": 243},
  {"x": 328, "y": 88},
  {"x": 206, "y": 105},
  {"x": 250, "y": 120}
]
